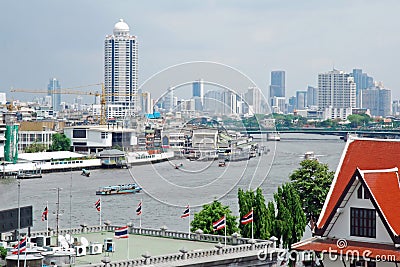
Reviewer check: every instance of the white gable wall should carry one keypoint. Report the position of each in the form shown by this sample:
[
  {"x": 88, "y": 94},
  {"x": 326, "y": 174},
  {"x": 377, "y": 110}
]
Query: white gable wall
[{"x": 341, "y": 228}]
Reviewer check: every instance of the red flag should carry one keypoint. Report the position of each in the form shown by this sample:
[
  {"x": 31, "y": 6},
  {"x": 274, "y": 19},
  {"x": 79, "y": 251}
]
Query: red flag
[
  {"x": 98, "y": 205},
  {"x": 139, "y": 208},
  {"x": 44, "y": 214},
  {"x": 186, "y": 212}
]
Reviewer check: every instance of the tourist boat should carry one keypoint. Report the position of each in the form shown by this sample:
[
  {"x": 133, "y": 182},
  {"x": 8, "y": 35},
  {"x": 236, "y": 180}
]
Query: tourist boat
[{"x": 119, "y": 189}]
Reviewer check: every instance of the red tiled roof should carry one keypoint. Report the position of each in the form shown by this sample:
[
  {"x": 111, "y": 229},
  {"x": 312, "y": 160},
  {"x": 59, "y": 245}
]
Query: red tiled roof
[
  {"x": 365, "y": 154},
  {"x": 384, "y": 187},
  {"x": 369, "y": 250}
]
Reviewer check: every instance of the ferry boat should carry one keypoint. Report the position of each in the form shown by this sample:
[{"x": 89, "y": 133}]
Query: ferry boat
[{"x": 119, "y": 189}]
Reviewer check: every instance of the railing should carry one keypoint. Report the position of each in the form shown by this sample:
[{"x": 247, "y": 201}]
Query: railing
[{"x": 238, "y": 247}]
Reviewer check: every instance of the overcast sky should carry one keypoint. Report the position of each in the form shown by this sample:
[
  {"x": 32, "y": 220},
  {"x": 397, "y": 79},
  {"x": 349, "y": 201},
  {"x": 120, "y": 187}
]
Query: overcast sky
[{"x": 64, "y": 39}]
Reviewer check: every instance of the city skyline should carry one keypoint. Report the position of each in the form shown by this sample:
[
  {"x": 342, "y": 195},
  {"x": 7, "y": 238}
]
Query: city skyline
[{"x": 255, "y": 39}]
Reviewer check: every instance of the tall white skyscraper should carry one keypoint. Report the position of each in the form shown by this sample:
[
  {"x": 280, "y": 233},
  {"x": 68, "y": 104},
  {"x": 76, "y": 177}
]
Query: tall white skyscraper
[
  {"x": 121, "y": 72},
  {"x": 336, "y": 94}
]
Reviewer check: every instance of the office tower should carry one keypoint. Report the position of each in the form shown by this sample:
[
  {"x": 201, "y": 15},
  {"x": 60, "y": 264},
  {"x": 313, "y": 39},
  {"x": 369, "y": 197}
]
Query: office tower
[
  {"x": 312, "y": 96},
  {"x": 301, "y": 99},
  {"x": 363, "y": 81},
  {"x": 277, "y": 87},
  {"x": 378, "y": 100},
  {"x": 198, "y": 94},
  {"x": 54, "y": 91},
  {"x": 291, "y": 106},
  {"x": 121, "y": 72}
]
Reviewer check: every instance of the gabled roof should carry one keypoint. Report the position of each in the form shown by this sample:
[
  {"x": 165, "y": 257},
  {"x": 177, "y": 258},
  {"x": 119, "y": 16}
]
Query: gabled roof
[
  {"x": 366, "y": 154},
  {"x": 346, "y": 249},
  {"x": 384, "y": 188}
]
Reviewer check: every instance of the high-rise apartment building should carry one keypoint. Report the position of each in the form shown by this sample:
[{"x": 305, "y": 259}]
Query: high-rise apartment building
[
  {"x": 253, "y": 98},
  {"x": 121, "y": 72},
  {"x": 54, "y": 91},
  {"x": 301, "y": 99},
  {"x": 336, "y": 92}
]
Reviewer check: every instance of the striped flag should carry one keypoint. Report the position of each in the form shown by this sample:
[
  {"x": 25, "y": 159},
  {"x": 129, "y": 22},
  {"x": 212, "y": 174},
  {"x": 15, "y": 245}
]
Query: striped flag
[
  {"x": 139, "y": 208},
  {"x": 186, "y": 212},
  {"x": 220, "y": 224},
  {"x": 98, "y": 205},
  {"x": 121, "y": 232},
  {"x": 20, "y": 247},
  {"x": 44, "y": 214},
  {"x": 248, "y": 218}
]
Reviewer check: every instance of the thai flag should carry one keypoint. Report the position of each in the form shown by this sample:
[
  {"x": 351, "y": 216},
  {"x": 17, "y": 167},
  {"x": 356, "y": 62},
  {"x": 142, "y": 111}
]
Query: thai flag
[
  {"x": 21, "y": 245},
  {"x": 44, "y": 214},
  {"x": 186, "y": 212},
  {"x": 98, "y": 205},
  {"x": 121, "y": 232},
  {"x": 139, "y": 208},
  {"x": 248, "y": 218},
  {"x": 220, "y": 224}
]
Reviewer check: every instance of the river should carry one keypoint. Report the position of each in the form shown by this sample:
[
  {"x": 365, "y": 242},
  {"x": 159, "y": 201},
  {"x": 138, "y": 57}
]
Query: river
[{"x": 166, "y": 190}]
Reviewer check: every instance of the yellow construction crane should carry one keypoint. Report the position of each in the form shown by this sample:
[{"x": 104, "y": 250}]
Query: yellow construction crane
[{"x": 68, "y": 91}]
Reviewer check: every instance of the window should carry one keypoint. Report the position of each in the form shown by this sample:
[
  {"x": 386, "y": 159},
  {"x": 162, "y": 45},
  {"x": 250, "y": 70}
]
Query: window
[
  {"x": 360, "y": 192},
  {"x": 362, "y": 222}
]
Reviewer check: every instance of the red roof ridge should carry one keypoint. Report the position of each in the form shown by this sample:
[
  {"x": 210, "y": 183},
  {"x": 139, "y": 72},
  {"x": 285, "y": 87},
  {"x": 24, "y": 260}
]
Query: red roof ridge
[{"x": 395, "y": 169}]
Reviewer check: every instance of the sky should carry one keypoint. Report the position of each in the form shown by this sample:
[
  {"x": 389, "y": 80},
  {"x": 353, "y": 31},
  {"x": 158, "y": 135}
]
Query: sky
[{"x": 65, "y": 39}]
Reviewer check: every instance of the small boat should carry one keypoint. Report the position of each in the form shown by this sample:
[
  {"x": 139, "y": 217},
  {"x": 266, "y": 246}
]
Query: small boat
[
  {"x": 119, "y": 189},
  {"x": 222, "y": 164},
  {"x": 85, "y": 173},
  {"x": 310, "y": 155}
]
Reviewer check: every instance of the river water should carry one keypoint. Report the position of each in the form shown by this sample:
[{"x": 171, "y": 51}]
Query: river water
[{"x": 166, "y": 190}]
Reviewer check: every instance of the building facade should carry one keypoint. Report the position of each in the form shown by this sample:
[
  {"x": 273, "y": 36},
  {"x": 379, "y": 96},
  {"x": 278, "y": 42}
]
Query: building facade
[
  {"x": 378, "y": 100},
  {"x": 54, "y": 91},
  {"x": 121, "y": 72},
  {"x": 336, "y": 90}
]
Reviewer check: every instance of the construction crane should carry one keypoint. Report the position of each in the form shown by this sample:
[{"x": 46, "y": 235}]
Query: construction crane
[{"x": 69, "y": 91}]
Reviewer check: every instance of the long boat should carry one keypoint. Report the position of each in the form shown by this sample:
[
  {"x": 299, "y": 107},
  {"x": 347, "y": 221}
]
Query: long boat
[{"x": 119, "y": 189}]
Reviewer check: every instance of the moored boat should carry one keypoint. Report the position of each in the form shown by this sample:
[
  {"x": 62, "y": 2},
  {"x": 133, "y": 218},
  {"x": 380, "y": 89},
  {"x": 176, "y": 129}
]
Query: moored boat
[{"x": 119, "y": 189}]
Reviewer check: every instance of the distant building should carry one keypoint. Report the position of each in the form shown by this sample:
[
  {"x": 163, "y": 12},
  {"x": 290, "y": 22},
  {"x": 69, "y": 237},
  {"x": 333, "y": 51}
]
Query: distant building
[
  {"x": 3, "y": 99},
  {"x": 121, "y": 71},
  {"x": 378, "y": 100},
  {"x": 253, "y": 98},
  {"x": 363, "y": 81},
  {"x": 301, "y": 99},
  {"x": 54, "y": 91},
  {"x": 278, "y": 105},
  {"x": 336, "y": 93},
  {"x": 277, "y": 87},
  {"x": 312, "y": 96},
  {"x": 198, "y": 94},
  {"x": 145, "y": 102}
]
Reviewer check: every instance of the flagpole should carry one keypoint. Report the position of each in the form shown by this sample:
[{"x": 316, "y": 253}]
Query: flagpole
[
  {"x": 189, "y": 221},
  {"x": 47, "y": 219},
  {"x": 101, "y": 204},
  {"x": 140, "y": 216},
  {"x": 252, "y": 228},
  {"x": 226, "y": 225}
]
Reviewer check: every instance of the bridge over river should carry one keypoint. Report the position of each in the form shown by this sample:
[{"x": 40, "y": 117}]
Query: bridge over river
[{"x": 377, "y": 133}]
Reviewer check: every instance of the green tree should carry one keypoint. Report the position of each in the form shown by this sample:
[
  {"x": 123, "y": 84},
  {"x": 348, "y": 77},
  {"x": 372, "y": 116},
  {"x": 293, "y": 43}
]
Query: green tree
[
  {"x": 35, "y": 147},
  {"x": 211, "y": 213},
  {"x": 3, "y": 252},
  {"x": 357, "y": 120},
  {"x": 290, "y": 221},
  {"x": 312, "y": 181},
  {"x": 60, "y": 142},
  {"x": 263, "y": 217}
]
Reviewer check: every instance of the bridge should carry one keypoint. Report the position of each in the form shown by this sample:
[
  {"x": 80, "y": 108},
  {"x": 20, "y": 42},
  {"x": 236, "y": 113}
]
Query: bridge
[{"x": 367, "y": 132}]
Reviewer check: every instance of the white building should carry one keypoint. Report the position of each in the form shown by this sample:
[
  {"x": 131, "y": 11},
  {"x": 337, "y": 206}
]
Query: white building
[
  {"x": 253, "y": 98},
  {"x": 121, "y": 71},
  {"x": 93, "y": 139},
  {"x": 359, "y": 224},
  {"x": 336, "y": 90}
]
